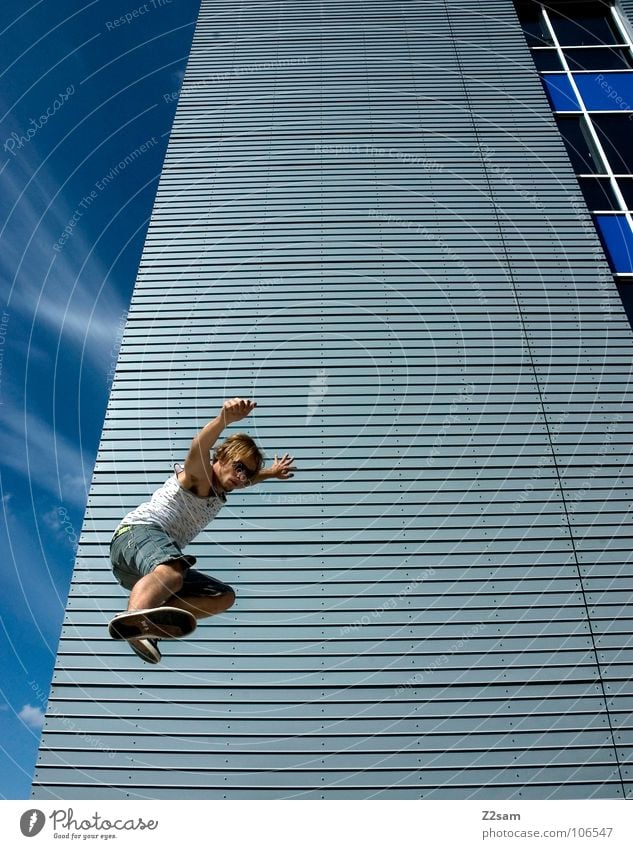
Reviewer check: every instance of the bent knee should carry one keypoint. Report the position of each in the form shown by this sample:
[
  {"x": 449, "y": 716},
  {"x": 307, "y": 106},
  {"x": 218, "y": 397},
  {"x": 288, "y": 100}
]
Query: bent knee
[{"x": 171, "y": 574}]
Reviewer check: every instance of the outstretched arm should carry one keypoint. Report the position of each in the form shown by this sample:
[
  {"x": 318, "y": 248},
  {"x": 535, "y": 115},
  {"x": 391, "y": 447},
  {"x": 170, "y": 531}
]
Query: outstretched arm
[
  {"x": 198, "y": 461},
  {"x": 281, "y": 470}
]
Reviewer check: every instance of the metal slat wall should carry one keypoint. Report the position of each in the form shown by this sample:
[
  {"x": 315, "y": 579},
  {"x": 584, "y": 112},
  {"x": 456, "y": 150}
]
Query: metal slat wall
[
  {"x": 368, "y": 222},
  {"x": 625, "y": 8}
]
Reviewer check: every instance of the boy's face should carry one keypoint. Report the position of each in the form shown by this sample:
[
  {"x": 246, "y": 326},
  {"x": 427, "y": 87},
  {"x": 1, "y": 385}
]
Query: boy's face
[{"x": 233, "y": 474}]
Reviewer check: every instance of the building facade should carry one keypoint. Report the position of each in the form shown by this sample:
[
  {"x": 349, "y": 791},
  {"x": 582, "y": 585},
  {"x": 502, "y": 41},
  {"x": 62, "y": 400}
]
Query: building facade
[{"x": 368, "y": 221}]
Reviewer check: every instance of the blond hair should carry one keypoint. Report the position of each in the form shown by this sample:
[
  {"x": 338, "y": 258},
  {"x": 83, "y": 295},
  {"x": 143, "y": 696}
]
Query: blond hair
[{"x": 240, "y": 446}]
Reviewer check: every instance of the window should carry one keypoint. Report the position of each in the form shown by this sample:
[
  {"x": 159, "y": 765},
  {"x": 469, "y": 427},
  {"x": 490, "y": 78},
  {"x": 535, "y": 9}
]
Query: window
[
  {"x": 576, "y": 26},
  {"x": 585, "y": 58},
  {"x": 547, "y": 60},
  {"x": 595, "y": 59},
  {"x": 598, "y": 193},
  {"x": 614, "y": 133},
  {"x": 617, "y": 238},
  {"x": 610, "y": 90},
  {"x": 561, "y": 93},
  {"x": 583, "y": 158},
  {"x": 534, "y": 29},
  {"x": 626, "y": 293},
  {"x": 626, "y": 187}
]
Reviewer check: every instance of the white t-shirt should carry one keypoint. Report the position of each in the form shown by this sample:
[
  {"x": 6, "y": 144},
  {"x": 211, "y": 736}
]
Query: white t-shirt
[{"x": 179, "y": 512}]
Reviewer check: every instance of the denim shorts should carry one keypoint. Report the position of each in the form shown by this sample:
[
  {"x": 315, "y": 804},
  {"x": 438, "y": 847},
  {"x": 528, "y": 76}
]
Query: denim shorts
[{"x": 135, "y": 552}]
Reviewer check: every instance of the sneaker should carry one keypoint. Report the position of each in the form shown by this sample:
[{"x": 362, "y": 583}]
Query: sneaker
[
  {"x": 158, "y": 623},
  {"x": 147, "y": 650}
]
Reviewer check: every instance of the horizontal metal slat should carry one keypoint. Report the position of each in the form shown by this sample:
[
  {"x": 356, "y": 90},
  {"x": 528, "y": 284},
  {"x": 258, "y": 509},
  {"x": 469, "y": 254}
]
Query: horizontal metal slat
[
  {"x": 192, "y": 762},
  {"x": 379, "y": 778}
]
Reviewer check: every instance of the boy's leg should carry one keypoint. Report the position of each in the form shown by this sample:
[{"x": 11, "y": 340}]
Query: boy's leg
[
  {"x": 202, "y": 595},
  {"x": 202, "y": 607},
  {"x": 133, "y": 554},
  {"x": 160, "y": 586},
  {"x": 157, "y": 586}
]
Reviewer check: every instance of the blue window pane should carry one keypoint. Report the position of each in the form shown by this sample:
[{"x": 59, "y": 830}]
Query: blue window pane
[
  {"x": 560, "y": 93},
  {"x": 606, "y": 91},
  {"x": 617, "y": 238}
]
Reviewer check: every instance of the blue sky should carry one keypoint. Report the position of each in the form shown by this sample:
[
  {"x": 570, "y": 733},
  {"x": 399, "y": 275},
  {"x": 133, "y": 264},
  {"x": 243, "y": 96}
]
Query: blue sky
[{"x": 84, "y": 84}]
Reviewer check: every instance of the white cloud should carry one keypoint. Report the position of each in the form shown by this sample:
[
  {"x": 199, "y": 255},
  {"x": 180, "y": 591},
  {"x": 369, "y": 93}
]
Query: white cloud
[
  {"x": 81, "y": 480},
  {"x": 65, "y": 299},
  {"x": 63, "y": 531},
  {"x": 28, "y": 542},
  {"x": 7, "y": 512},
  {"x": 34, "y": 449},
  {"x": 32, "y": 716},
  {"x": 52, "y": 519}
]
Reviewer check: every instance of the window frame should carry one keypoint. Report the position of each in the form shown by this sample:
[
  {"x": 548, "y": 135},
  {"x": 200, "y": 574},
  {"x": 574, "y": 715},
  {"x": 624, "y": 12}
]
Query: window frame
[
  {"x": 584, "y": 112},
  {"x": 604, "y": 169}
]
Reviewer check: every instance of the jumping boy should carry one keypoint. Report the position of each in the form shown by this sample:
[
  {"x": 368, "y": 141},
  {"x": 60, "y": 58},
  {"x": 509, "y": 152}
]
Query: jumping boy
[{"x": 167, "y": 595}]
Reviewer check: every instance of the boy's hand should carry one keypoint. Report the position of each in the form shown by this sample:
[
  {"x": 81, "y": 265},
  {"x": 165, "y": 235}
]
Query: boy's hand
[
  {"x": 236, "y": 409},
  {"x": 282, "y": 469}
]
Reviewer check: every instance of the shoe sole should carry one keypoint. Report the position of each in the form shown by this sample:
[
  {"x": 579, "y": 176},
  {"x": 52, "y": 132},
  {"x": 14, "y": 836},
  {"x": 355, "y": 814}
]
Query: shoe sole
[
  {"x": 160, "y": 623},
  {"x": 149, "y": 655}
]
